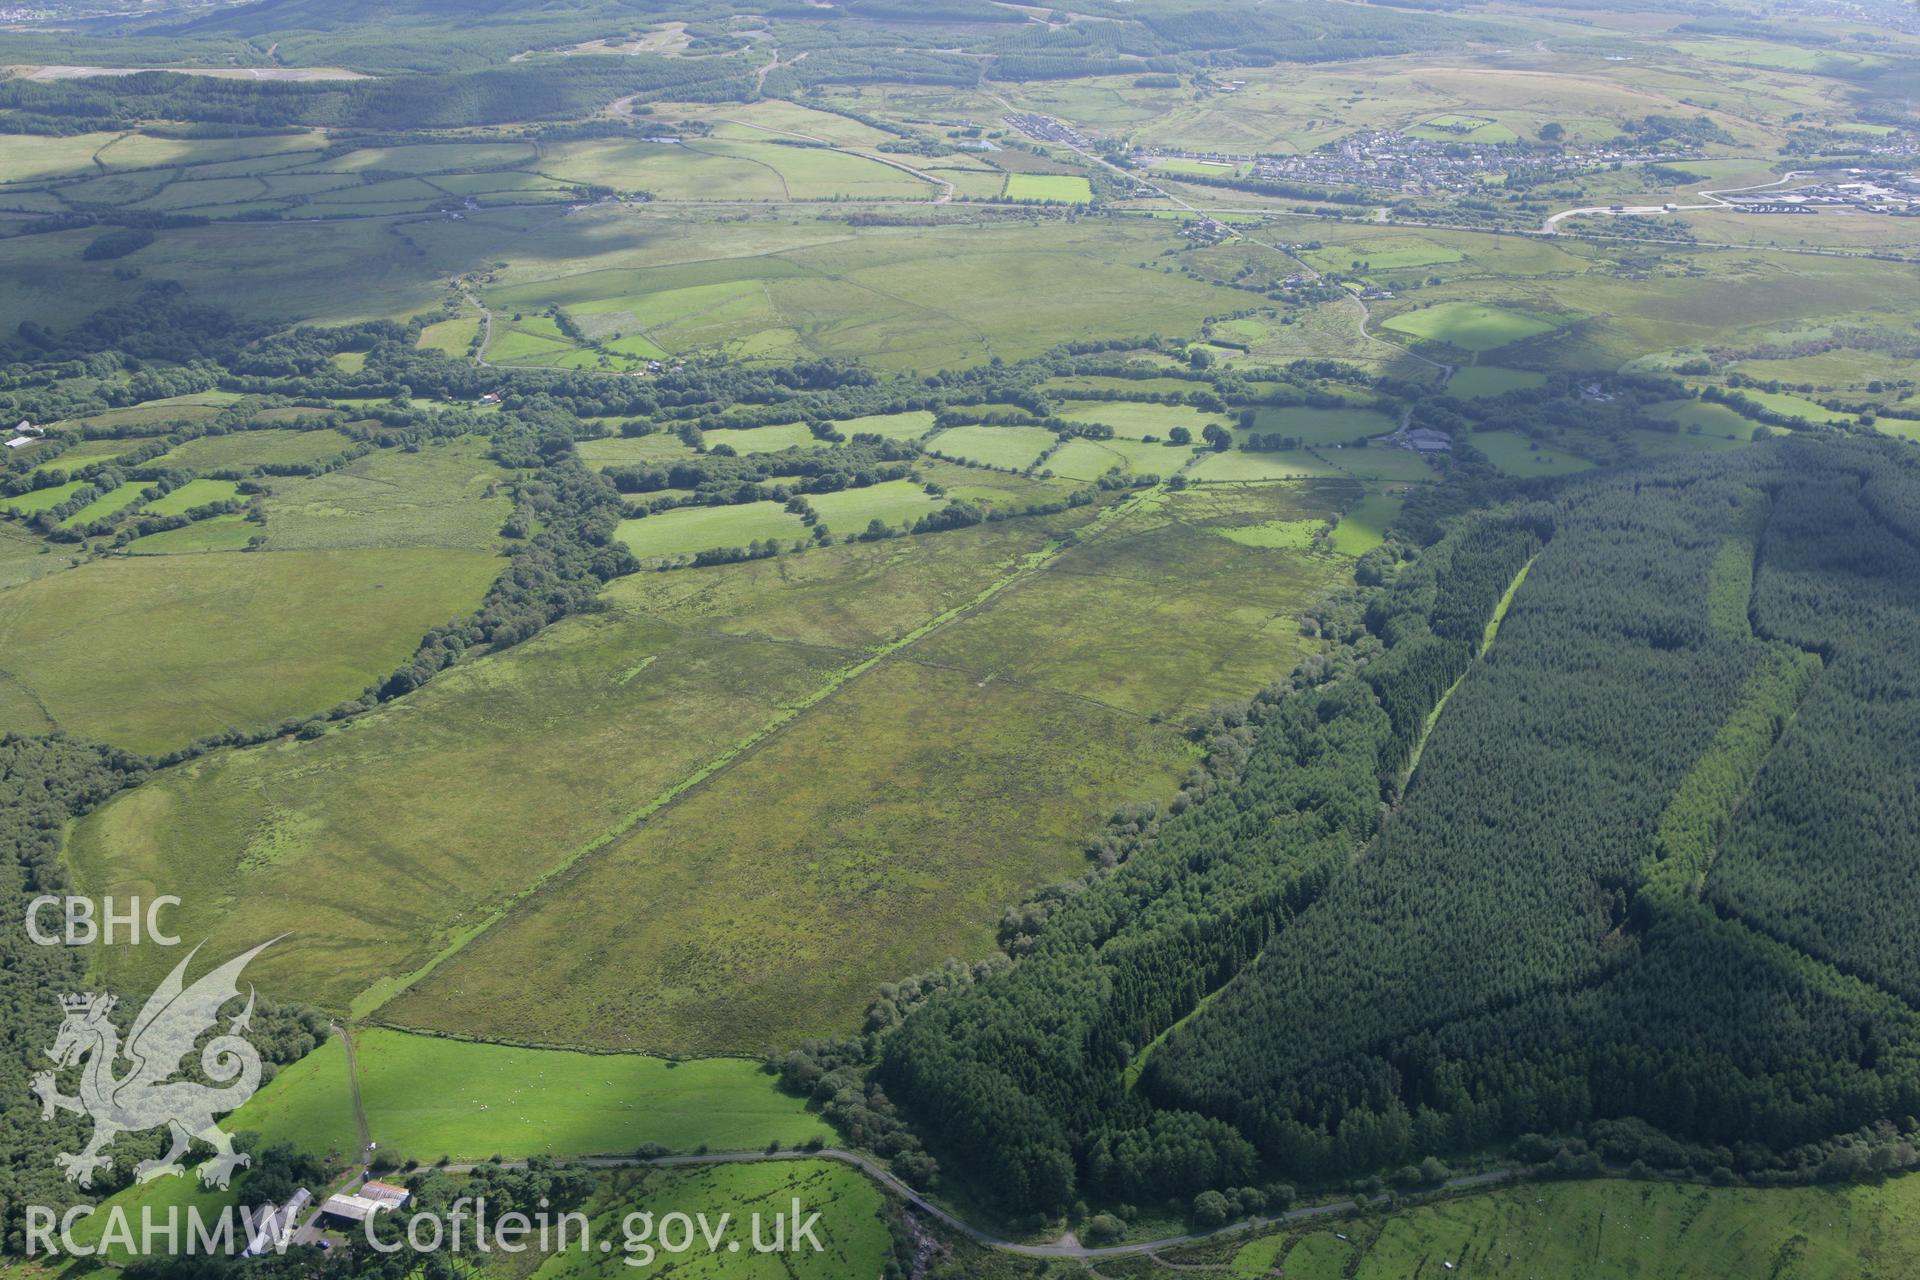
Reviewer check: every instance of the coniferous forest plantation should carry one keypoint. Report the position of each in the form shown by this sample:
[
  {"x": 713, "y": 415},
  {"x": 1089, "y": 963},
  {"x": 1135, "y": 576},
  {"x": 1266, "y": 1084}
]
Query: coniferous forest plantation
[{"x": 960, "y": 640}]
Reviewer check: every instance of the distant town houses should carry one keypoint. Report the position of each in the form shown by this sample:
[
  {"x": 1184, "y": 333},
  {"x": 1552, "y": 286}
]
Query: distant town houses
[
  {"x": 1390, "y": 161},
  {"x": 1046, "y": 129}
]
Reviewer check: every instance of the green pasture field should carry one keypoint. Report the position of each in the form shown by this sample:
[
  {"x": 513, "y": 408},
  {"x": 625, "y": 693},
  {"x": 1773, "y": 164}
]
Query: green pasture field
[
  {"x": 382, "y": 843},
  {"x": 1900, "y": 428},
  {"x": 998, "y": 489},
  {"x": 911, "y": 425},
  {"x": 160, "y": 1197},
  {"x": 1616, "y": 1229},
  {"x": 1519, "y": 455},
  {"x": 103, "y": 506},
  {"x": 146, "y": 150},
  {"x": 512, "y": 185},
  {"x": 1780, "y": 56},
  {"x": 532, "y": 339},
  {"x": 35, "y": 501},
  {"x": 194, "y": 493},
  {"x": 244, "y": 449},
  {"x": 391, "y": 498},
  {"x": 1135, "y": 419},
  {"x": 1066, "y": 188},
  {"x": 1240, "y": 465},
  {"x": 220, "y": 533},
  {"x": 710, "y": 168},
  {"x": 1003, "y": 407},
  {"x": 436, "y": 157},
  {"x": 755, "y": 118},
  {"x": 1066, "y": 385},
  {"x": 1088, "y": 460},
  {"x": 1375, "y": 463},
  {"x": 513, "y": 345},
  {"x": 1711, "y": 418},
  {"x": 24, "y": 557},
  {"x": 685, "y": 530},
  {"x": 1176, "y": 164},
  {"x": 974, "y": 184},
  {"x": 853, "y": 1234},
  {"x": 899, "y": 297},
  {"x": 1249, "y": 330},
  {"x": 1793, "y": 406},
  {"x": 769, "y": 439},
  {"x": 1475, "y": 381},
  {"x": 1380, "y": 254},
  {"x": 303, "y": 412},
  {"x": 187, "y": 408},
  {"x": 86, "y": 452},
  {"x": 1363, "y": 526},
  {"x": 679, "y": 316},
  {"x": 1320, "y": 426},
  {"x": 450, "y": 337},
  {"x": 1015, "y": 448},
  {"x": 1462, "y": 128},
  {"x": 1846, "y": 367},
  {"x": 150, "y": 652},
  {"x": 492, "y": 1099},
  {"x": 308, "y": 1103},
  {"x": 627, "y": 451},
  {"x": 25, "y": 157},
  {"x": 1470, "y": 326},
  {"x": 894, "y": 502}
]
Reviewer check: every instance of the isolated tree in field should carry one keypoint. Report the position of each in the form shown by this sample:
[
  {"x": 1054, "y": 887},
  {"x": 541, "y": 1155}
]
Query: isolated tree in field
[
  {"x": 1180, "y": 435},
  {"x": 1217, "y": 436}
]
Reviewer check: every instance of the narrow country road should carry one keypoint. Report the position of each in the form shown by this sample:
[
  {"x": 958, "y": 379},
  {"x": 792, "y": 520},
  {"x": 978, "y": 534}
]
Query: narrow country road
[
  {"x": 353, "y": 1091},
  {"x": 1065, "y": 1247},
  {"x": 1551, "y": 225}
]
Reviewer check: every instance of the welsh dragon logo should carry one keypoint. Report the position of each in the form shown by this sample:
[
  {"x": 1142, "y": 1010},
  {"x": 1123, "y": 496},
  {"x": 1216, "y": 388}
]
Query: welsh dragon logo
[{"x": 145, "y": 1096}]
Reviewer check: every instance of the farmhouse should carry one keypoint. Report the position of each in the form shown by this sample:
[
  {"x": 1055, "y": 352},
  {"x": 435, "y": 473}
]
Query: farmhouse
[
  {"x": 274, "y": 1227},
  {"x": 393, "y": 1197},
  {"x": 351, "y": 1207}
]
